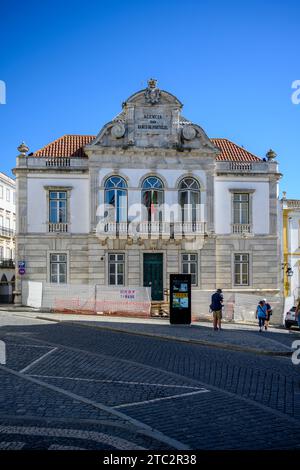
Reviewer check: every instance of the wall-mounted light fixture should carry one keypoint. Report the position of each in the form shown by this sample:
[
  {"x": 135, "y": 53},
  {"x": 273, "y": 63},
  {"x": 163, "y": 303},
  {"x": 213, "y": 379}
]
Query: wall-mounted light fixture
[{"x": 288, "y": 269}]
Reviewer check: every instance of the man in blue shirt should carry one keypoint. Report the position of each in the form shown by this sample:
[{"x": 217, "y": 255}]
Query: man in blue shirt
[{"x": 216, "y": 307}]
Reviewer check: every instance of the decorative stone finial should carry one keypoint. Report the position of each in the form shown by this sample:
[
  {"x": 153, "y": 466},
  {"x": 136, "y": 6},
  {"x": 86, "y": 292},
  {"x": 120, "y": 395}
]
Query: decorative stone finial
[
  {"x": 271, "y": 155},
  {"x": 23, "y": 149},
  {"x": 283, "y": 194}
]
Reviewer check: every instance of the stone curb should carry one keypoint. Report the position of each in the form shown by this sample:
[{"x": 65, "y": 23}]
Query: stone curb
[{"x": 230, "y": 347}]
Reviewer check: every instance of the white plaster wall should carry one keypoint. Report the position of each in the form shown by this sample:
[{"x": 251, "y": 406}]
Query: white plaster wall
[
  {"x": 37, "y": 202},
  {"x": 223, "y": 204},
  {"x": 293, "y": 231}
]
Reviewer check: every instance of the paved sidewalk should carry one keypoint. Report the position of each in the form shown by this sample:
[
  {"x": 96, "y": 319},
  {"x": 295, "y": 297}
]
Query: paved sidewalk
[{"x": 276, "y": 341}]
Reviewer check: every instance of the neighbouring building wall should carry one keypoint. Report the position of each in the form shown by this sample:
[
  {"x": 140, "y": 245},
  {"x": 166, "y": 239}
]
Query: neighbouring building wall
[
  {"x": 7, "y": 237},
  {"x": 290, "y": 214}
]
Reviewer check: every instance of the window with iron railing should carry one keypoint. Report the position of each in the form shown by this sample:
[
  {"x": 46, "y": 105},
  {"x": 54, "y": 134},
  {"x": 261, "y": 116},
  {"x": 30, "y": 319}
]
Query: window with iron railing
[
  {"x": 6, "y": 232},
  {"x": 58, "y": 206},
  {"x": 241, "y": 213},
  {"x": 241, "y": 208},
  {"x": 7, "y": 263}
]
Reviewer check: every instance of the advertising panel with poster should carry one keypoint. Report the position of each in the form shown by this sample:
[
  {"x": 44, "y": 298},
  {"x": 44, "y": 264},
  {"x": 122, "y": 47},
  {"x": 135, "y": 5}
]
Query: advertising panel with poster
[{"x": 180, "y": 299}]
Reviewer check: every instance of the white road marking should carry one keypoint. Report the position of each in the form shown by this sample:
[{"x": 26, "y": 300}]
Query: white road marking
[
  {"x": 14, "y": 445},
  {"x": 28, "y": 345},
  {"x": 58, "y": 447},
  {"x": 142, "y": 427},
  {"x": 125, "y": 405},
  {"x": 37, "y": 360},
  {"x": 114, "y": 381},
  {"x": 113, "y": 441}
]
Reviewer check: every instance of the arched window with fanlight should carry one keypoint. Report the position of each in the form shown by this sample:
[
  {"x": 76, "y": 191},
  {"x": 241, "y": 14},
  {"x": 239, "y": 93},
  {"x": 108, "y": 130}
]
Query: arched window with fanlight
[
  {"x": 152, "y": 196},
  {"x": 116, "y": 197},
  {"x": 189, "y": 199}
]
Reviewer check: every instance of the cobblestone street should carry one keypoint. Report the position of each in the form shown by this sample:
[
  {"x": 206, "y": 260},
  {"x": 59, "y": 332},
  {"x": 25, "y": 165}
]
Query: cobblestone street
[{"x": 67, "y": 386}]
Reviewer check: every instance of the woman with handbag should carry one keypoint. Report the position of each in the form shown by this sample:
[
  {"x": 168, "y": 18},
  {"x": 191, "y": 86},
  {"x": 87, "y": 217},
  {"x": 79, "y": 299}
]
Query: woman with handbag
[{"x": 261, "y": 314}]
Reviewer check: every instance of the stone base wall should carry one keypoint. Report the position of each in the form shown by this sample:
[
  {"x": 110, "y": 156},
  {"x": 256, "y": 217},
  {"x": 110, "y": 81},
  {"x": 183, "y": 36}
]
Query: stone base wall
[{"x": 88, "y": 261}]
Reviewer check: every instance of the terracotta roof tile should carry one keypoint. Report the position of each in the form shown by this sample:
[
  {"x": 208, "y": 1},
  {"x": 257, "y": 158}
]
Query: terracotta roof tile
[
  {"x": 72, "y": 146},
  {"x": 65, "y": 146},
  {"x": 233, "y": 152}
]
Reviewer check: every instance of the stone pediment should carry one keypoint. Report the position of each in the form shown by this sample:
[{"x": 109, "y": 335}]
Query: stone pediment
[
  {"x": 152, "y": 118},
  {"x": 151, "y": 96}
]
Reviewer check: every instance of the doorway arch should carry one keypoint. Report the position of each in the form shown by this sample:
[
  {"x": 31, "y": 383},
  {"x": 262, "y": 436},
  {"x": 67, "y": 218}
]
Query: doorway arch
[{"x": 4, "y": 290}]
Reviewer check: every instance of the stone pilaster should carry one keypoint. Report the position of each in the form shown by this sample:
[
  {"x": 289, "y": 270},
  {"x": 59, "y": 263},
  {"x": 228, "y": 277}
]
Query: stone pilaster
[
  {"x": 273, "y": 208},
  {"x": 210, "y": 189},
  {"x": 94, "y": 188}
]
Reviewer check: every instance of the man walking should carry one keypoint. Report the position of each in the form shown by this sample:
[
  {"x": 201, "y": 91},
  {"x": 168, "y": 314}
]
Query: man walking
[{"x": 216, "y": 307}]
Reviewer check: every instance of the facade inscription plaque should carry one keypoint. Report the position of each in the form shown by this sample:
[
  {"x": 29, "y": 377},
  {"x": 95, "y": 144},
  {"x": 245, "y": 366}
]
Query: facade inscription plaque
[{"x": 152, "y": 121}]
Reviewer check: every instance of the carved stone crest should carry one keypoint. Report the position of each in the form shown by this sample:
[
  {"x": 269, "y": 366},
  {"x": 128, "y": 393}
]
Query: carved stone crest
[{"x": 152, "y": 93}]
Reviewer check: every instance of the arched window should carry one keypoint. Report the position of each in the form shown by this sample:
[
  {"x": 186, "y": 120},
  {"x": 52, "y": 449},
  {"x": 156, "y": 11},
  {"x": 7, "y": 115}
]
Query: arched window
[
  {"x": 4, "y": 280},
  {"x": 116, "y": 197},
  {"x": 152, "y": 195},
  {"x": 189, "y": 199}
]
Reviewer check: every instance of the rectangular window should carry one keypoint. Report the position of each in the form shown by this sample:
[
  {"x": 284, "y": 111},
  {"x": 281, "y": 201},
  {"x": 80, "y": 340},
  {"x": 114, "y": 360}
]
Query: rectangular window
[
  {"x": 241, "y": 208},
  {"x": 241, "y": 269},
  {"x": 14, "y": 197},
  {"x": 116, "y": 269},
  {"x": 58, "y": 268},
  {"x": 8, "y": 195},
  {"x": 1, "y": 252},
  {"x": 1, "y": 192},
  {"x": 189, "y": 265},
  {"x": 58, "y": 207}
]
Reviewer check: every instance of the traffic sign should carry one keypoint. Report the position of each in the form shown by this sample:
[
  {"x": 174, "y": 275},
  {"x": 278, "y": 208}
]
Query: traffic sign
[
  {"x": 22, "y": 271},
  {"x": 21, "y": 264}
]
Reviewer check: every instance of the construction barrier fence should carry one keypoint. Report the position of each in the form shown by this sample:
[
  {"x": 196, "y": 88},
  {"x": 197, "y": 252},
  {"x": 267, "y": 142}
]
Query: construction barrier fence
[{"x": 136, "y": 301}]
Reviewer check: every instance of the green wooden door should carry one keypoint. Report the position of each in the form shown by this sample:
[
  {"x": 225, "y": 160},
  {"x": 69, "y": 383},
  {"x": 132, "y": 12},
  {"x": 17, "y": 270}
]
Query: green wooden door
[{"x": 153, "y": 274}]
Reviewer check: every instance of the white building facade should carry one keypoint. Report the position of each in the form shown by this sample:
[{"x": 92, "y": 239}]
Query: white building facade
[
  {"x": 290, "y": 216},
  {"x": 90, "y": 207},
  {"x": 7, "y": 237}
]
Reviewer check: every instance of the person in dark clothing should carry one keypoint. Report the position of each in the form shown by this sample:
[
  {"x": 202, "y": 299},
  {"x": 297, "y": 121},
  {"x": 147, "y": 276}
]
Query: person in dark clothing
[{"x": 216, "y": 307}]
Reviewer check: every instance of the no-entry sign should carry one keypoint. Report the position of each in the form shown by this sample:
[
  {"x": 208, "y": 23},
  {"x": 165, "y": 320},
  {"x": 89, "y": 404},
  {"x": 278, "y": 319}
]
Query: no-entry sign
[{"x": 21, "y": 266}]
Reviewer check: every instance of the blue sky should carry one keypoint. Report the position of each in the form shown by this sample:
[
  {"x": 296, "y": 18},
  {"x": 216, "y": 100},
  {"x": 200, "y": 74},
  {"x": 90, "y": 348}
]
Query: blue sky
[{"x": 69, "y": 65}]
